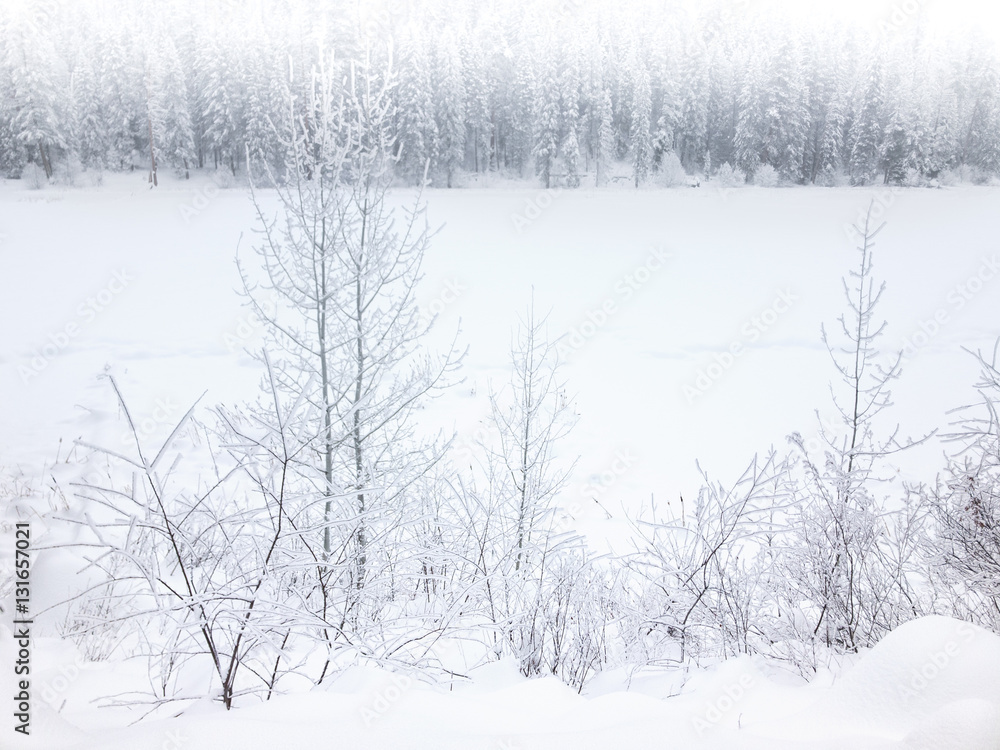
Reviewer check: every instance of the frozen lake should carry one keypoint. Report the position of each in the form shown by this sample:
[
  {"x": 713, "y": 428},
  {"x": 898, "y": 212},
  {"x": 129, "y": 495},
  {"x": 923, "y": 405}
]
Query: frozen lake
[{"x": 689, "y": 318}]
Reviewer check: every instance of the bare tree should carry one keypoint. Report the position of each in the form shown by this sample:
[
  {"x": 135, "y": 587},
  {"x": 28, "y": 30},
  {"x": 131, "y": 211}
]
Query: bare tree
[
  {"x": 850, "y": 570},
  {"x": 345, "y": 334},
  {"x": 508, "y": 505}
]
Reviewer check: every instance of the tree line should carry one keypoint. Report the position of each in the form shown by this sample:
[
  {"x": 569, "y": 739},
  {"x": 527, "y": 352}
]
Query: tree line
[{"x": 566, "y": 92}]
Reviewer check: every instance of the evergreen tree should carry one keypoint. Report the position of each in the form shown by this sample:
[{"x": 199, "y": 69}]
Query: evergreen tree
[
  {"x": 721, "y": 115},
  {"x": 450, "y": 107},
  {"x": 606, "y": 146},
  {"x": 548, "y": 122},
  {"x": 417, "y": 127},
  {"x": 640, "y": 139},
  {"x": 169, "y": 111},
  {"x": 982, "y": 146},
  {"x": 786, "y": 115},
  {"x": 218, "y": 104},
  {"x": 120, "y": 79},
  {"x": 523, "y": 106},
  {"x": 267, "y": 96},
  {"x": 749, "y": 141},
  {"x": 570, "y": 152},
  {"x": 91, "y": 141},
  {"x": 37, "y": 107},
  {"x": 692, "y": 128},
  {"x": 478, "y": 108},
  {"x": 868, "y": 131}
]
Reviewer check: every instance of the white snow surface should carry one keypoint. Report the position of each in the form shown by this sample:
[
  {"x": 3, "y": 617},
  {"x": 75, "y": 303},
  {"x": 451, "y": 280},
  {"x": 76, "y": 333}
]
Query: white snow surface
[{"x": 933, "y": 683}]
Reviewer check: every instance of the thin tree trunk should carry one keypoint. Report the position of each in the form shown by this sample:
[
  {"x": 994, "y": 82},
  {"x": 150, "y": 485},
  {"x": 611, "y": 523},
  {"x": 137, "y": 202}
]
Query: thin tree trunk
[
  {"x": 152, "y": 149},
  {"x": 46, "y": 163}
]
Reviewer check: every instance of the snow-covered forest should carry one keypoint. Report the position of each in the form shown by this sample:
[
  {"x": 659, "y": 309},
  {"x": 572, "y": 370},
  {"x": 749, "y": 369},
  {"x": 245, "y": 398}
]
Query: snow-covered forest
[
  {"x": 296, "y": 431},
  {"x": 560, "y": 89}
]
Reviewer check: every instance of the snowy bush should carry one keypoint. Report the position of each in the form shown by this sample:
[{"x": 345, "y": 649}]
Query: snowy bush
[
  {"x": 966, "y": 509},
  {"x": 729, "y": 176},
  {"x": 766, "y": 176},
  {"x": 830, "y": 176},
  {"x": 671, "y": 173},
  {"x": 964, "y": 174},
  {"x": 223, "y": 178},
  {"x": 68, "y": 171},
  {"x": 34, "y": 176},
  {"x": 914, "y": 178},
  {"x": 705, "y": 581}
]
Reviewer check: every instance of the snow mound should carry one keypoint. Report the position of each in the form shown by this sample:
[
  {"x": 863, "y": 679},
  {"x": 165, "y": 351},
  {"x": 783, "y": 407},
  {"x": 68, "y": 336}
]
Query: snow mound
[
  {"x": 919, "y": 670},
  {"x": 960, "y": 725},
  {"x": 931, "y": 683}
]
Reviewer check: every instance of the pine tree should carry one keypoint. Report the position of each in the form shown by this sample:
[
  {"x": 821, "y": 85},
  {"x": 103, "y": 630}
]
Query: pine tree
[
  {"x": 570, "y": 152},
  {"x": 547, "y": 122},
  {"x": 569, "y": 115},
  {"x": 786, "y": 116},
  {"x": 120, "y": 79},
  {"x": 417, "y": 127},
  {"x": 479, "y": 107},
  {"x": 38, "y": 106},
  {"x": 523, "y": 105},
  {"x": 721, "y": 115},
  {"x": 749, "y": 139},
  {"x": 607, "y": 146},
  {"x": 168, "y": 109},
  {"x": 692, "y": 128},
  {"x": 267, "y": 96},
  {"x": 450, "y": 107},
  {"x": 868, "y": 131},
  {"x": 822, "y": 153},
  {"x": 982, "y": 145},
  {"x": 90, "y": 116},
  {"x": 218, "y": 104},
  {"x": 640, "y": 139}
]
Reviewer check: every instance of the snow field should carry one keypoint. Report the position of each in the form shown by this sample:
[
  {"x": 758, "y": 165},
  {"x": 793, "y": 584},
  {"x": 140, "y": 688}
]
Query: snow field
[{"x": 653, "y": 294}]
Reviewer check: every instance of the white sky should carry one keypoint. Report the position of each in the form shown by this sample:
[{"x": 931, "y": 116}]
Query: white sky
[{"x": 945, "y": 15}]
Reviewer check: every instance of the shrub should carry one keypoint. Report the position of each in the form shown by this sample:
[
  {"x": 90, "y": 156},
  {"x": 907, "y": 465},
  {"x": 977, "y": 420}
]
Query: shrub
[
  {"x": 671, "y": 172},
  {"x": 729, "y": 176},
  {"x": 766, "y": 176},
  {"x": 34, "y": 177}
]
